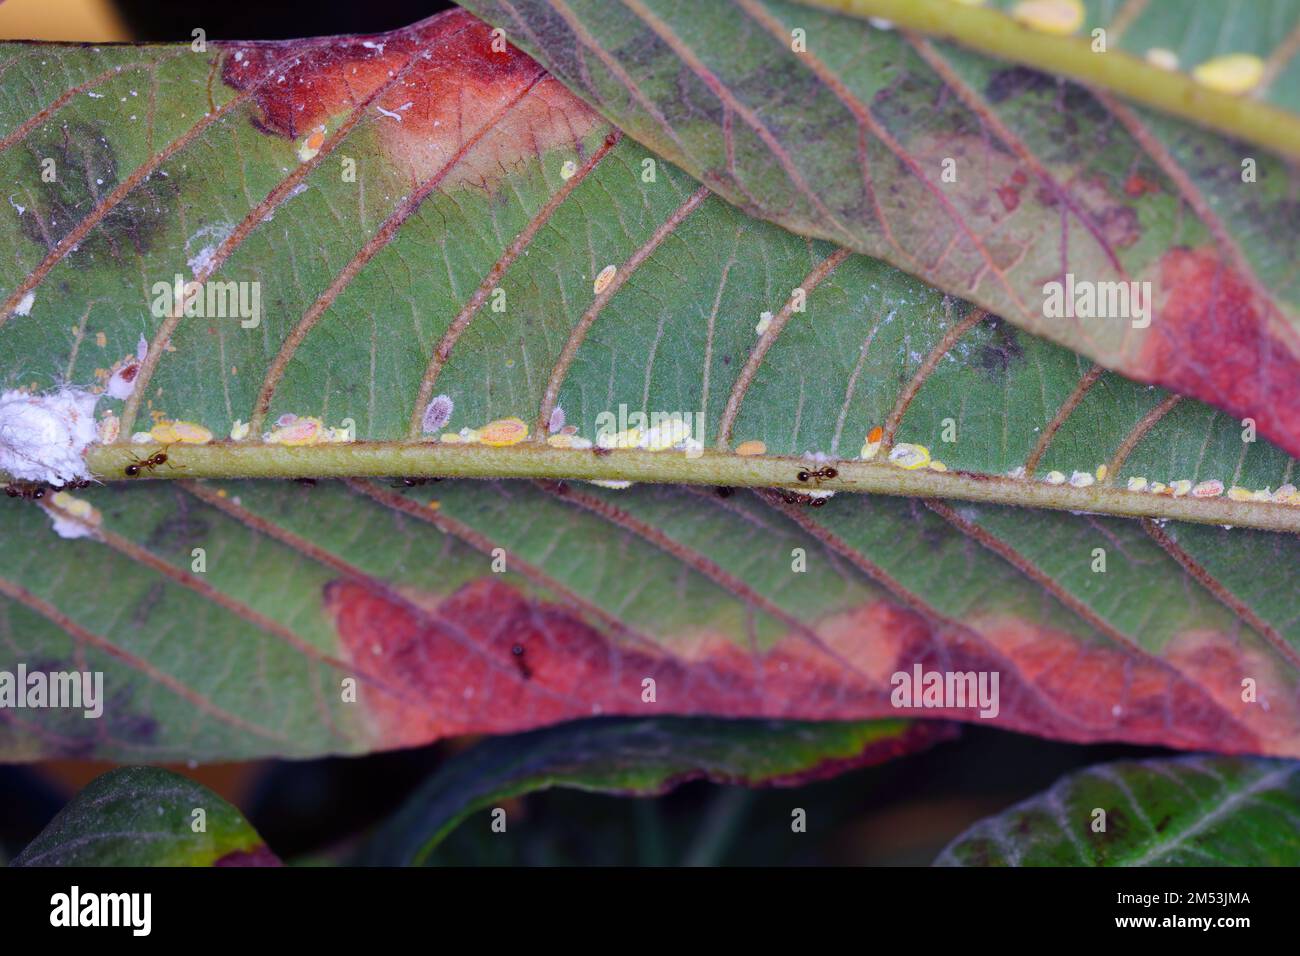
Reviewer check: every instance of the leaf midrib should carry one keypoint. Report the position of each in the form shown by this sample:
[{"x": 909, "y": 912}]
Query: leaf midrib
[
  {"x": 683, "y": 554},
  {"x": 282, "y": 189},
  {"x": 161, "y": 341},
  {"x": 993, "y": 33}
]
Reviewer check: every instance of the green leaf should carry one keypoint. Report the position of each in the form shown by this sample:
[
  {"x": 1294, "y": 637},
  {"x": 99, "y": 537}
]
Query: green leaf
[
  {"x": 145, "y": 816},
  {"x": 361, "y": 332},
  {"x": 350, "y": 617},
  {"x": 641, "y": 758},
  {"x": 987, "y": 180},
  {"x": 234, "y": 620},
  {"x": 1182, "y": 76},
  {"x": 1189, "y": 811}
]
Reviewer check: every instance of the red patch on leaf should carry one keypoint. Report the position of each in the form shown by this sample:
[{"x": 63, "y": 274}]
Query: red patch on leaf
[
  {"x": 1137, "y": 186},
  {"x": 455, "y": 670},
  {"x": 1009, "y": 192},
  {"x": 1211, "y": 339},
  {"x": 463, "y": 673},
  {"x": 1010, "y": 197},
  {"x": 447, "y": 88}
]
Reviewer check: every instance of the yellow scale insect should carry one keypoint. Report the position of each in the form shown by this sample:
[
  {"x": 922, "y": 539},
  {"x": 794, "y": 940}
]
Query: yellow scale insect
[
  {"x": 1057, "y": 17},
  {"x": 311, "y": 146},
  {"x": 872, "y": 443},
  {"x": 909, "y": 456},
  {"x": 177, "y": 432},
  {"x": 603, "y": 280},
  {"x": 503, "y": 432},
  {"x": 1234, "y": 74},
  {"x": 294, "y": 431}
]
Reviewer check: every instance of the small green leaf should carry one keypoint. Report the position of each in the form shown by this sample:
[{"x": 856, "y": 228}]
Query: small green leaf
[
  {"x": 145, "y": 816},
  {"x": 1188, "y": 811}
]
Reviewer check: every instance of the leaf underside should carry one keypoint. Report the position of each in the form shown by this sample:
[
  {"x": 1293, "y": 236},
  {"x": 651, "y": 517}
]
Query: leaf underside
[
  {"x": 1149, "y": 51},
  {"x": 146, "y": 816},
  {"x": 850, "y": 140},
  {"x": 462, "y": 188},
  {"x": 1189, "y": 811}
]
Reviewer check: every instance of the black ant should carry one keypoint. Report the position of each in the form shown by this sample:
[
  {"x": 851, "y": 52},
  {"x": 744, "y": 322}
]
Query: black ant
[
  {"x": 524, "y": 669},
  {"x": 412, "y": 482},
  {"x": 153, "y": 461},
  {"x": 35, "y": 490},
  {"x": 724, "y": 492},
  {"x": 818, "y": 476},
  {"x": 30, "y": 490},
  {"x": 798, "y": 498}
]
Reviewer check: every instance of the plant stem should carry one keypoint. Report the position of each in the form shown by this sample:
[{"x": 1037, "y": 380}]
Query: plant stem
[
  {"x": 535, "y": 460},
  {"x": 992, "y": 31}
]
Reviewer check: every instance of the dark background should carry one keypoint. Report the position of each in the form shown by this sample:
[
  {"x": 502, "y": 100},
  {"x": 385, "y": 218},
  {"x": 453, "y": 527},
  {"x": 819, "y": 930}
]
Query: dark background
[
  {"x": 270, "y": 19},
  {"x": 901, "y": 813}
]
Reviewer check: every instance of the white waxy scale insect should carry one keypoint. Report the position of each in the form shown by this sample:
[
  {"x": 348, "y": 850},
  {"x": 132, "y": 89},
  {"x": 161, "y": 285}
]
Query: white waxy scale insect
[
  {"x": 604, "y": 279},
  {"x": 437, "y": 414}
]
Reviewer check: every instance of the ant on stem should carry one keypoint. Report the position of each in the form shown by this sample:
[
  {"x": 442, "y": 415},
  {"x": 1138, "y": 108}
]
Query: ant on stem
[
  {"x": 798, "y": 498},
  {"x": 149, "y": 464},
  {"x": 821, "y": 474}
]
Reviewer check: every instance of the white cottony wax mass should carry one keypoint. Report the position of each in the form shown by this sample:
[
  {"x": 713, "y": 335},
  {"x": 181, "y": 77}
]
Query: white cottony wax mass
[{"x": 42, "y": 437}]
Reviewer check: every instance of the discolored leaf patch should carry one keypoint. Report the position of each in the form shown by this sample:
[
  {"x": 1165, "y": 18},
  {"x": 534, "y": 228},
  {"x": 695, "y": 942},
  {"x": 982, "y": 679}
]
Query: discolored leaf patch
[
  {"x": 434, "y": 91},
  {"x": 1219, "y": 336}
]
